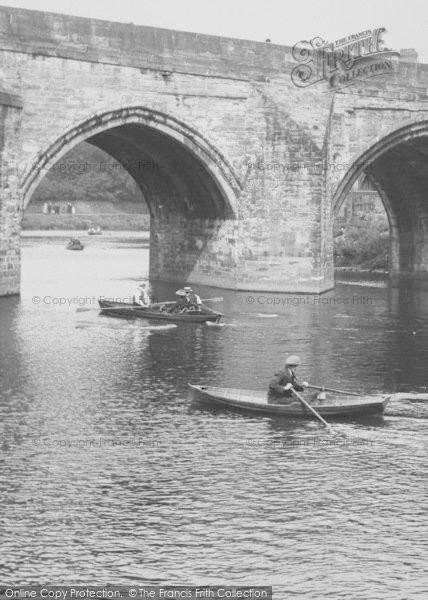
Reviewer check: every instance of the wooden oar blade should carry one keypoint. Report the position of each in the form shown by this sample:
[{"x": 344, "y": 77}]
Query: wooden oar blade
[{"x": 310, "y": 408}]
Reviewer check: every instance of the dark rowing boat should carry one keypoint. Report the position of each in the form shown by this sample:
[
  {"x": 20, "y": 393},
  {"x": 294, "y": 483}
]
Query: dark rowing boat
[
  {"x": 75, "y": 245},
  {"x": 256, "y": 402},
  {"x": 132, "y": 311}
]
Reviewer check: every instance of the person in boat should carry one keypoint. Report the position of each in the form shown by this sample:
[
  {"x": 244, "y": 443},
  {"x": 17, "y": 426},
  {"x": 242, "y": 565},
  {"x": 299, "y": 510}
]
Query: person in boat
[
  {"x": 141, "y": 296},
  {"x": 181, "y": 304},
  {"x": 193, "y": 300},
  {"x": 280, "y": 386}
]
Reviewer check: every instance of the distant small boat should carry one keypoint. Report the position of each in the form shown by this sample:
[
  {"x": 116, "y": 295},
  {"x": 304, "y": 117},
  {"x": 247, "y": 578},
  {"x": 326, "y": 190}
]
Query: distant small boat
[
  {"x": 75, "y": 245},
  {"x": 256, "y": 402},
  {"x": 93, "y": 231},
  {"x": 156, "y": 311}
]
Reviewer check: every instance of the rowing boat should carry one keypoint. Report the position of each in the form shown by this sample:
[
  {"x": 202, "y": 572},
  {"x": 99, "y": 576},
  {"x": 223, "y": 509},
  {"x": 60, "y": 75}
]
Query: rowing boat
[
  {"x": 128, "y": 310},
  {"x": 256, "y": 401},
  {"x": 76, "y": 245}
]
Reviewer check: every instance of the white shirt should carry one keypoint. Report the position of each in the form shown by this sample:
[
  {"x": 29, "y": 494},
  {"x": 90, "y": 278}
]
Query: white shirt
[
  {"x": 141, "y": 297},
  {"x": 196, "y": 297}
]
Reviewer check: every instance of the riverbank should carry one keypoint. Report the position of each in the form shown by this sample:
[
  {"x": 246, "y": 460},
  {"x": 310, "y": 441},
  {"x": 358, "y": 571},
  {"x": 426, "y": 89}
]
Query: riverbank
[
  {"x": 65, "y": 233},
  {"x": 372, "y": 273},
  {"x": 107, "y": 221},
  {"x": 362, "y": 246}
]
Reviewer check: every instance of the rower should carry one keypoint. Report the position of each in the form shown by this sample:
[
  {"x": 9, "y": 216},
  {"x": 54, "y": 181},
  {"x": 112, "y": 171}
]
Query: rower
[
  {"x": 321, "y": 395},
  {"x": 193, "y": 300},
  {"x": 181, "y": 304},
  {"x": 280, "y": 386},
  {"x": 141, "y": 297}
]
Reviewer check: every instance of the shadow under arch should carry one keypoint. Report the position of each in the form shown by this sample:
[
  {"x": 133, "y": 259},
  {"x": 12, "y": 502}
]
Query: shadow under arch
[
  {"x": 161, "y": 152},
  {"x": 190, "y": 188},
  {"x": 396, "y": 165}
]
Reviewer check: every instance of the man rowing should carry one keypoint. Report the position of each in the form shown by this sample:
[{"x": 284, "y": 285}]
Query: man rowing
[
  {"x": 193, "y": 300},
  {"x": 280, "y": 386},
  {"x": 181, "y": 304}
]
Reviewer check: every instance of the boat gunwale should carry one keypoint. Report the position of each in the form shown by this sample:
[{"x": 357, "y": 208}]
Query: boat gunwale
[{"x": 370, "y": 403}]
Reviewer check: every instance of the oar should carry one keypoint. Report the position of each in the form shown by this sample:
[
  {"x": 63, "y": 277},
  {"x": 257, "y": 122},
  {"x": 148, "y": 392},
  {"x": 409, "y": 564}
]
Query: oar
[
  {"x": 219, "y": 299},
  {"x": 313, "y": 411},
  {"x": 326, "y": 389},
  {"x": 130, "y": 306}
]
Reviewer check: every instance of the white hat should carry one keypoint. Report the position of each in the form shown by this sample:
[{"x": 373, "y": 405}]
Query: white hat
[
  {"x": 180, "y": 293},
  {"x": 188, "y": 289}
]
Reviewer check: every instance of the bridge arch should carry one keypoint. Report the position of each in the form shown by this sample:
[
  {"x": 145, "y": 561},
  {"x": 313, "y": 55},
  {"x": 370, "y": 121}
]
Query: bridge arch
[
  {"x": 162, "y": 153},
  {"x": 190, "y": 188},
  {"x": 396, "y": 165}
]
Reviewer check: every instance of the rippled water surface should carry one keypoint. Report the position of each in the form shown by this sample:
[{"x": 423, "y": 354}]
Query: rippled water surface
[{"x": 109, "y": 474}]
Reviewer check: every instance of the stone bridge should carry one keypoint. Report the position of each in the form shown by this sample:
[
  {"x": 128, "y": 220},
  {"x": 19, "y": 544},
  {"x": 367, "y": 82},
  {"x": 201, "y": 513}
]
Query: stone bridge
[{"x": 242, "y": 170}]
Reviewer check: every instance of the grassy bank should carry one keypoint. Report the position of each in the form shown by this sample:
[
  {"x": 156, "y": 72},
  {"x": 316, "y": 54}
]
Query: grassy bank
[
  {"x": 362, "y": 244},
  {"x": 115, "y": 222}
]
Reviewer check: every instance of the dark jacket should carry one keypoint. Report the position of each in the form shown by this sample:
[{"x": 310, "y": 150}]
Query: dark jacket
[
  {"x": 180, "y": 304},
  {"x": 276, "y": 386}
]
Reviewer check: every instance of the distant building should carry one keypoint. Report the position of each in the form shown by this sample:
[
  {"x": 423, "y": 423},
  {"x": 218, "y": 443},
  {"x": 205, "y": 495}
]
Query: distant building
[{"x": 362, "y": 200}]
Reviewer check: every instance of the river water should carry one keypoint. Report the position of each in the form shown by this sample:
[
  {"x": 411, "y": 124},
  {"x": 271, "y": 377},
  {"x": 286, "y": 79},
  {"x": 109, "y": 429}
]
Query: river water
[{"x": 109, "y": 474}]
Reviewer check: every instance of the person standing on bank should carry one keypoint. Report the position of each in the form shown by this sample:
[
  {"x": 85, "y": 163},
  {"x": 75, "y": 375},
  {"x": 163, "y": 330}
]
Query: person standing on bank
[{"x": 281, "y": 384}]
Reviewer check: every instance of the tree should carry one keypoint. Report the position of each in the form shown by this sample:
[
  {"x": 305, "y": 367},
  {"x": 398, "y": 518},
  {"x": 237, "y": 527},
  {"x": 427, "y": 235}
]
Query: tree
[{"x": 90, "y": 174}]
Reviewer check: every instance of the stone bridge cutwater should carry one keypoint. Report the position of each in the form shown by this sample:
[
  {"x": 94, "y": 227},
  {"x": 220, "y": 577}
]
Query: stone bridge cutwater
[{"x": 242, "y": 171}]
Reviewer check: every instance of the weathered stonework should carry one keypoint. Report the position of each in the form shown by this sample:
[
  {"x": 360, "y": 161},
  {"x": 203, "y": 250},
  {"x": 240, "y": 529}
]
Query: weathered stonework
[
  {"x": 238, "y": 166},
  {"x": 10, "y": 116}
]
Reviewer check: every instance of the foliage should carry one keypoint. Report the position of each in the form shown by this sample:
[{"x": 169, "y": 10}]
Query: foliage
[
  {"x": 112, "y": 222},
  {"x": 362, "y": 244},
  {"x": 87, "y": 173}
]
